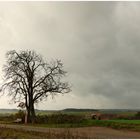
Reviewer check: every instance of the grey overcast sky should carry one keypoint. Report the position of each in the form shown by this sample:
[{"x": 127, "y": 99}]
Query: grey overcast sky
[{"x": 98, "y": 42}]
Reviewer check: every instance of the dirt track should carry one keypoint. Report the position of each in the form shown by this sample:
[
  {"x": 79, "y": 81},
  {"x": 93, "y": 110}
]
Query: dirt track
[{"x": 83, "y": 132}]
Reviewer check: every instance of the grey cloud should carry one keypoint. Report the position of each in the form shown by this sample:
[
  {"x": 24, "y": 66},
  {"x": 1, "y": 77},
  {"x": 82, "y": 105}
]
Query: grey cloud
[{"x": 97, "y": 41}]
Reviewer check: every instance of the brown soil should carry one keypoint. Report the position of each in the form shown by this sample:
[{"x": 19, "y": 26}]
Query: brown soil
[{"x": 82, "y": 132}]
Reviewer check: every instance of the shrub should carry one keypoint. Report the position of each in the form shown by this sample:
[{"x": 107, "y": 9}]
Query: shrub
[
  {"x": 137, "y": 116},
  {"x": 59, "y": 118},
  {"x": 20, "y": 114},
  {"x": 124, "y": 117},
  {"x": 7, "y": 118}
]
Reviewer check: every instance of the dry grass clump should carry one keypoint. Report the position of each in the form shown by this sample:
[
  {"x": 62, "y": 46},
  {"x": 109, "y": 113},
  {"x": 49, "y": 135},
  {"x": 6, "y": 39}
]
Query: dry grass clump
[{"x": 8, "y": 133}]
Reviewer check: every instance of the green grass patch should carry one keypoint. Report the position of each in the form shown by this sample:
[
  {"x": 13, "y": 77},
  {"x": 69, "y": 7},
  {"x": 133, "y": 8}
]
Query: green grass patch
[
  {"x": 117, "y": 124},
  {"x": 137, "y": 122}
]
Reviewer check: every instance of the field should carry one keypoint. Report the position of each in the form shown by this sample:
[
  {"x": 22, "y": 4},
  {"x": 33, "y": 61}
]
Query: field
[
  {"x": 20, "y": 132},
  {"x": 114, "y": 124},
  {"x": 133, "y": 125},
  {"x": 14, "y": 133}
]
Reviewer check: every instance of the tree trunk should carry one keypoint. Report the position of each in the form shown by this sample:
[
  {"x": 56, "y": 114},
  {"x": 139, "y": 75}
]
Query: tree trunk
[
  {"x": 32, "y": 113},
  {"x": 28, "y": 115}
]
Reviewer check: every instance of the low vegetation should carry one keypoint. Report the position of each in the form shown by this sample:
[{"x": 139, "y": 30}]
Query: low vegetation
[
  {"x": 116, "y": 124},
  {"x": 7, "y": 133},
  {"x": 59, "y": 118},
  {"x": 128, "y": 121}
]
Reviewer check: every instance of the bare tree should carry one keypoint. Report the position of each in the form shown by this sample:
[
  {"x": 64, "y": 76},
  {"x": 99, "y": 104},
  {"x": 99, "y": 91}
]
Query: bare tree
[{"x": 28, "y": 77}]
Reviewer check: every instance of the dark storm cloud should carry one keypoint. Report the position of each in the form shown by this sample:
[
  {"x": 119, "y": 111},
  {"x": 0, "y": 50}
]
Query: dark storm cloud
[{"x": 97, "y": 41}]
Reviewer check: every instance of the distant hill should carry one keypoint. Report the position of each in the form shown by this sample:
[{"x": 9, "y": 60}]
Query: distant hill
[
  {"x": 5, "y": 111},
  {"x": 8, "y": 110},
  {"x": 78, "y": 110},
  {"x": 37, "y": 110},
  {"x": 118, "y": 110}
]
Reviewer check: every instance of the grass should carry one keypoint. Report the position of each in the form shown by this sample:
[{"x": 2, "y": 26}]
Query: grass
[
  {"x": 116, "y": 124},
  {"x": 19, "y": 134},
  {"x": 59, "y": 120},
  {"x": 134, "y": 122},
  {"x": 7, "y": 133}
]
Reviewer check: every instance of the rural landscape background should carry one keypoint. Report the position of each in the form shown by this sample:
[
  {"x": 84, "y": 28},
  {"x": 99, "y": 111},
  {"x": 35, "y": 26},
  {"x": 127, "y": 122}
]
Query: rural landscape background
[{"x": 69, "y": 69}]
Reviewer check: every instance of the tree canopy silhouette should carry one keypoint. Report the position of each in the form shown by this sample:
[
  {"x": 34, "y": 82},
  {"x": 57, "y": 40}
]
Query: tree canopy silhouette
[{"x": 30, "y": 78}]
